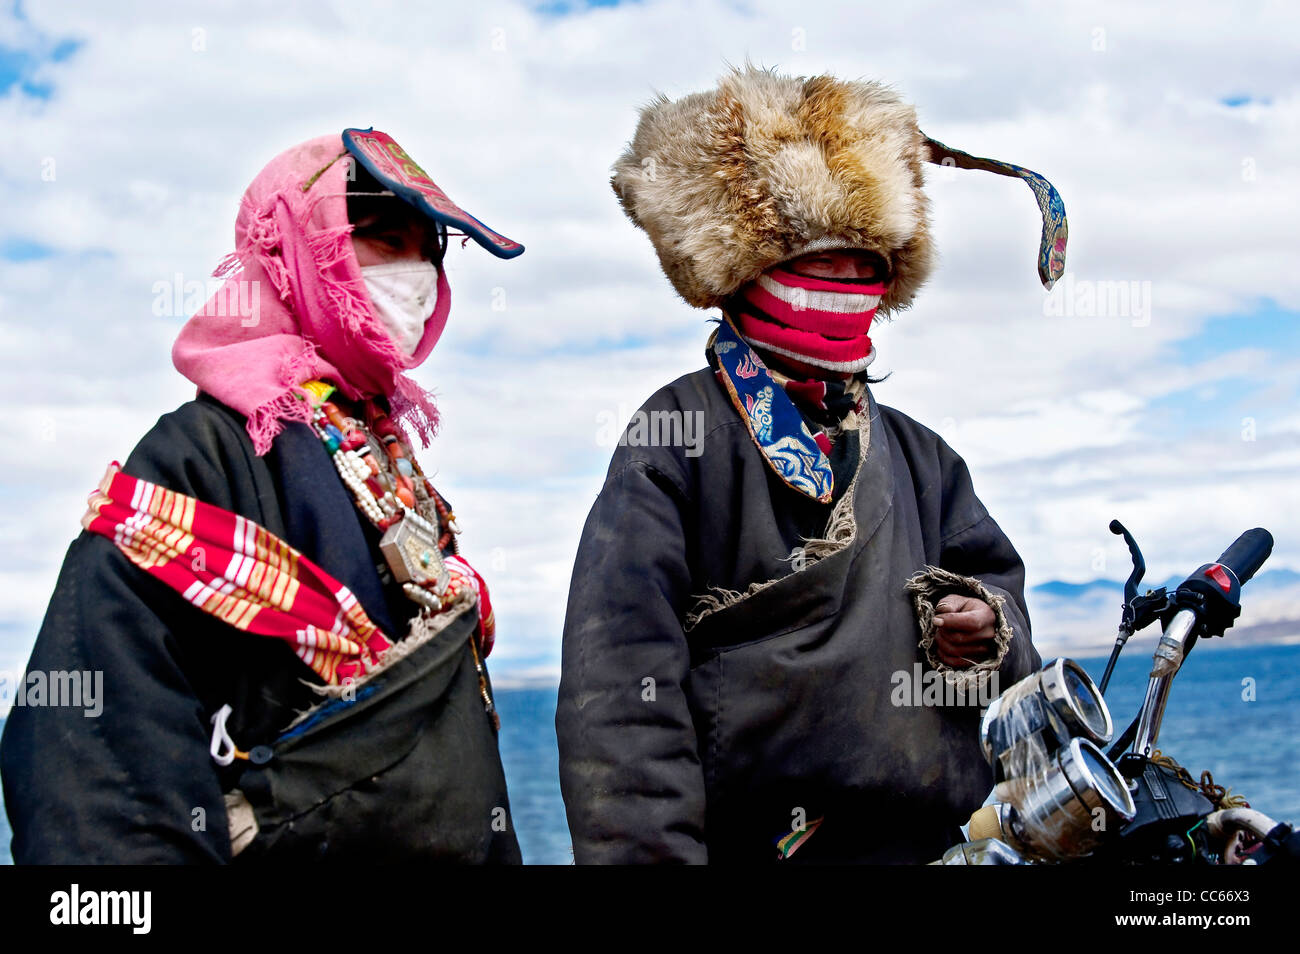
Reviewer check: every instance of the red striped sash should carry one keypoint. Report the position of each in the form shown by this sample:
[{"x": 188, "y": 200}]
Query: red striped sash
[{"x": 238, "y": 571}]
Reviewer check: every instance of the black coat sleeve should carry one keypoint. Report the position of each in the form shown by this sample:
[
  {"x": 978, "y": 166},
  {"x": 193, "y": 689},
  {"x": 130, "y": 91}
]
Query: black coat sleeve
[
  {"x": 973, "y": 545},
  {"x": 630, "y": 769},
  {"x": 133, "y": 783}
]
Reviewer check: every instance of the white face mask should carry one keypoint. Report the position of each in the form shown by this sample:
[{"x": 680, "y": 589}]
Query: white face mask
[{"x": 404, "y": 295}]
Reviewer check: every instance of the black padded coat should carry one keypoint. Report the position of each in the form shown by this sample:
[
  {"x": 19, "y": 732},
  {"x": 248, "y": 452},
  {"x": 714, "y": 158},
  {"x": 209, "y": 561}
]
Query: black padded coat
[
  {"x": 710, "y": 742},
  {"x": 409, "y": 770}
]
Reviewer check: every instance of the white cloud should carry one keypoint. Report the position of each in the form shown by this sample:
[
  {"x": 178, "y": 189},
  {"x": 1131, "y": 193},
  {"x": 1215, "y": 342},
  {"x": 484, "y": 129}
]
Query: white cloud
[{"x": 518, "y": 115}]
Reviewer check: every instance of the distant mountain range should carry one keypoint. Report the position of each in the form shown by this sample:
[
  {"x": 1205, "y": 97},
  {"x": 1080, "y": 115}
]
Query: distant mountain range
[
  {"x": 1059, "y": 588},
  {"x": 1081, "y": 618}
]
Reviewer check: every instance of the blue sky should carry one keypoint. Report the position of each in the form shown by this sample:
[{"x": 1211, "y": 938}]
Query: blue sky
[
  {"x": 21, "y": 63},
  {"x": 1174, "y": 175},
  {"x": 23, "y": 250},
  {"x": 1269, "y": 329},
  {"x": 570, "y": 7}
]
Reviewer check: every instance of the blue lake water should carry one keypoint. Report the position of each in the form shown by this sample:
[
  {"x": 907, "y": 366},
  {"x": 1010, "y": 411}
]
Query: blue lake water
[
  {"x": 1211, "y": 723},
  {"x": 1250, "y": 745}
]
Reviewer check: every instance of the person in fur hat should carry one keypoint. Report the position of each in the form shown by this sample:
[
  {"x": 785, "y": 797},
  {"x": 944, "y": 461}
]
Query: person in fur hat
[{"x": 780, "y": 641}]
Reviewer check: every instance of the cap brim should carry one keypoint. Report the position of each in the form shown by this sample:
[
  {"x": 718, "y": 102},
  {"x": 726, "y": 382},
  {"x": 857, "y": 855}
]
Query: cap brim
[{"x": 389, "y": 163}]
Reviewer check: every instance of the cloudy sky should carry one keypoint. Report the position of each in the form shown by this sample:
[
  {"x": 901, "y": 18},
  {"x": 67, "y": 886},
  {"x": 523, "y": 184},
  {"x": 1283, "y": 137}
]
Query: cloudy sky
[{"x": 1173, "y": 135}]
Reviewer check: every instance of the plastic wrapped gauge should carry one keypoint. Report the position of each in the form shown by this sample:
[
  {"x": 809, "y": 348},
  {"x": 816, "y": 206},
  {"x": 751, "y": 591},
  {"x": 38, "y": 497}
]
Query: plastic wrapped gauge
[
  {"x": 1067, "y": 809},
  {"x": 1039, "y": 715}
]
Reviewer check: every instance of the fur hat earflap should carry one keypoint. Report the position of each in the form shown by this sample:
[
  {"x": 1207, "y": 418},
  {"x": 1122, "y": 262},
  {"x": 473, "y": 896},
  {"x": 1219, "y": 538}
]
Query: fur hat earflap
[{"x": 766, "y": 168}]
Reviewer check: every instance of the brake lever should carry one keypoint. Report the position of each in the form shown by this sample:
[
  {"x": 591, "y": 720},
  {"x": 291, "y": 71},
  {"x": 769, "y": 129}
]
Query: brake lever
[
  {"x": 1134, "y": 578},
  {"x": 1129, "y": 617}
]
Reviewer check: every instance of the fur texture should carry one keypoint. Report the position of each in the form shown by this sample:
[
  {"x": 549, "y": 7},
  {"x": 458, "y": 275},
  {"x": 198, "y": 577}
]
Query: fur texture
[{"x": 765, "y": 168}]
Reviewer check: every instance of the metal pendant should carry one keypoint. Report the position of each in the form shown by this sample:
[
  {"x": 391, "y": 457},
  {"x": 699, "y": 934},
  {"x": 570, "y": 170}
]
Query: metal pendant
[{"x": 411, "y": 548}]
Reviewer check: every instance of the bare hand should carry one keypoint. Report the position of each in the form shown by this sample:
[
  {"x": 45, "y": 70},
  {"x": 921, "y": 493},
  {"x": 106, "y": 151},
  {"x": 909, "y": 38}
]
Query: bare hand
[{"x": 965, "y": 628}]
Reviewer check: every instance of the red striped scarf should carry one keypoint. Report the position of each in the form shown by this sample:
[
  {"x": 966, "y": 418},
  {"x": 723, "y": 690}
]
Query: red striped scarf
[
  {"x": 819, "y": 321},
  {"x": 238, "y": 571}
]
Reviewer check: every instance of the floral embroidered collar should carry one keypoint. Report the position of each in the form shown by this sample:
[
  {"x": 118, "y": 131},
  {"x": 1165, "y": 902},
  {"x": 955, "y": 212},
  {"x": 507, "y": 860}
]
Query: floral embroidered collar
[{"x": 774, "y": 422}]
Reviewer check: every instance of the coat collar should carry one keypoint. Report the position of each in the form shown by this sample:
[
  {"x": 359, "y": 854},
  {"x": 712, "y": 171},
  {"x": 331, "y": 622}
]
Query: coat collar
[{"x": 774, "y": 423}]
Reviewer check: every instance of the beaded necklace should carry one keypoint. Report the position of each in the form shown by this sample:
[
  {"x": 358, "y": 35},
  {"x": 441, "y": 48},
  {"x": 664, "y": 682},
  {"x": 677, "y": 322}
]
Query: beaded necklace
[{"x": 392, "y": 497}]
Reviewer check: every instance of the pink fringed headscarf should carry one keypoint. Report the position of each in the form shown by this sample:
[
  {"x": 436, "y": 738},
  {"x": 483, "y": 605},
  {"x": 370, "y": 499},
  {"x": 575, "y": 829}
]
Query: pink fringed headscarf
[{"x": 294, "y": 306}]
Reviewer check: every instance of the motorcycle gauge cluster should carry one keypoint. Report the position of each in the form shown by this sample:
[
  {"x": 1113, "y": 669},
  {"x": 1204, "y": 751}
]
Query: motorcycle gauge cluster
[
  {"x": 1041, "y": 738},
  {"x": 1042, "y": 711}
]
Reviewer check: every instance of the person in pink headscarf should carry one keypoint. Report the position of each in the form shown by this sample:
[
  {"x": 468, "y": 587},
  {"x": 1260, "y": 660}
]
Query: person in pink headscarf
[{"x": 279, "y": 647}]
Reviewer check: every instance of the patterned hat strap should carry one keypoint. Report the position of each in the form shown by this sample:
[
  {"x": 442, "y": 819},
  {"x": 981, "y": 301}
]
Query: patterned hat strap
[{"x": 1051, "y": 247}]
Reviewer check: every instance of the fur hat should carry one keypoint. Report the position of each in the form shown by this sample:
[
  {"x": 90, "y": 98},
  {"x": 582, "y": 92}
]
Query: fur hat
[{"x": 766, "y": 168}]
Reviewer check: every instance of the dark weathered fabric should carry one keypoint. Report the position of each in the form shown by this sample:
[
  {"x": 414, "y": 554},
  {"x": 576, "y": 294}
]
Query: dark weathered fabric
[
  {"x": 710, "y": 745},
  {"x": 398, "y": 774},
  {"x": 136, "y": 784}
]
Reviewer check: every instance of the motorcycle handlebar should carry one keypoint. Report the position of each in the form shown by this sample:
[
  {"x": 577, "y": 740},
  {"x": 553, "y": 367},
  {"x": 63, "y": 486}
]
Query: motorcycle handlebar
[{"x": 1248, "y": 553}]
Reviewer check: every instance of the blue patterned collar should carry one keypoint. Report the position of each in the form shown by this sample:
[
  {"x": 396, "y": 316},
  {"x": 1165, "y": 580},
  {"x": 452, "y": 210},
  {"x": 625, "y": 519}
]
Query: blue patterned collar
[{"x": 775, "y": 424}]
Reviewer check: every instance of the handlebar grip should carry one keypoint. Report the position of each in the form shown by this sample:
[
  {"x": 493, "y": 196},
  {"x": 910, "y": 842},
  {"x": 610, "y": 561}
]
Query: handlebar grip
[{"x": 1248, "y": 553}]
